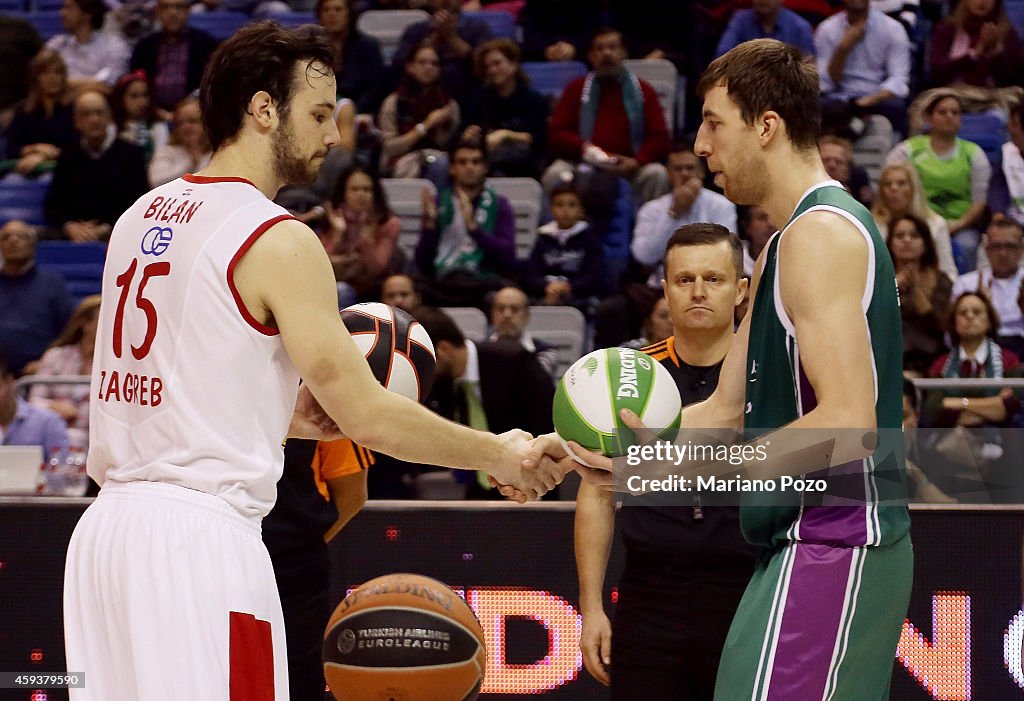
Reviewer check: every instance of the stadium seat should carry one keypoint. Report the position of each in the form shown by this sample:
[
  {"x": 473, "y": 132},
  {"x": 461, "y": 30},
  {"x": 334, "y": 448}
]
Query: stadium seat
[
  {"x": 12, "y": 6},
  {"x": 1015, "y": 13},
  {"x": 220, "y": 25},
  {"x": 562, "y": 327},
  {"x": 405, "y": 199},
  {"x": 512, "y": 189},
  {"x": 525, "y": 196},
  {"x": 81, "y": 264},
  {"x": 386, "y": 26},
  {"x": 293, "y": 19},
  {"x": 502, "y": 24},
  {"x": 46, "y": 5},
  {"x": 550, "y": 79},
  {"x": 663, "y": 77},
  {"x": 988, "y": 131},
  {"x": 48, "y": 24},
  {"x": 470, "y": 320},
  {"x": 870, "y": 150},
  {"x": 23, "y": 200}
]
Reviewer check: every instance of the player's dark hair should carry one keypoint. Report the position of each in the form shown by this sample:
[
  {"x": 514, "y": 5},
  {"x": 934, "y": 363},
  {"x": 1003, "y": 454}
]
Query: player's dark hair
[
  {"x": 259, "y": 56},
  {"x": 705, "y": 234},
  {"x": 439, "y": 326},
  {"x": 767, "y": 75}
]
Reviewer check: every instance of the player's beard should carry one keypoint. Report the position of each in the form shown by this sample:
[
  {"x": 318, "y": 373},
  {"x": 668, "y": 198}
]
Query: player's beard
[{"x": 289, "y": 166}]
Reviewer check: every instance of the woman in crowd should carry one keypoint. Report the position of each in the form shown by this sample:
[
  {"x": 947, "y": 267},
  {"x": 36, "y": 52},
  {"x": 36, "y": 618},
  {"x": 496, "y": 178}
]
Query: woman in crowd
[
  {"x": 70, "y": 354},
  {"x": 954, "y": 173},
  {"x": 135, "y": 114},
  {"x": 359, "y": 65},
  {"x": 976, "y": 45},
  {"x": 188, "y": 149},
  {"x": 361, "y": 236},
  {"x": 418, "y": 120},
  {"x": 924, "y": 292},
  {"x": 42, "y": 125},
  {"x": 900, "y": 193},
  {"x": 512, "y": 117}
]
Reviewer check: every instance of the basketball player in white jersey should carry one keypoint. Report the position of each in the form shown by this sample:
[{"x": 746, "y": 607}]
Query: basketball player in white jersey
[{"x": 219, "y": 302}]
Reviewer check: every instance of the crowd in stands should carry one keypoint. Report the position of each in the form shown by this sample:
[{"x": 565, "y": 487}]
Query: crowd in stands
[{"x": 104, "y": 110}]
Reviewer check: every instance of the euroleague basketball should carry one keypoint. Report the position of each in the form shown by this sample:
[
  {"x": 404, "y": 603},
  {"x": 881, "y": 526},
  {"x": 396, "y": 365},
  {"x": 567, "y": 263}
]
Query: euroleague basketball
[
  {"x": 405, "y": 637},
  {"x": 597, "y": 386},
  {"x": 397, "y": 347}
]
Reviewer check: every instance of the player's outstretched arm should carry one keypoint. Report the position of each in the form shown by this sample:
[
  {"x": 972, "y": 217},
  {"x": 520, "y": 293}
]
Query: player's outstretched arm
[
  {"x": 594, "y": 526},
  {"x": 286, "y": 280}
]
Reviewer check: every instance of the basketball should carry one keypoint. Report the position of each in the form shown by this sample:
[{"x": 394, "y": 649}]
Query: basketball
[
  {"x": 397, "y": 347},
  {"x": 404, "y": 636},
  {"x": 593, "y": 390}
]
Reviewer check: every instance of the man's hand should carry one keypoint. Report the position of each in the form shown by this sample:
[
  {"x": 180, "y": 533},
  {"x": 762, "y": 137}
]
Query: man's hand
[
  {"x": 854, "y": 34},
  {"x": 466, "y": 207},
  {"x": 596, "y": 645},
  {"x": 429, "y": 209},
  {"x": 509, "y": 475},
  {"x": 560, "y": 51},
  {"x": 624, "y": 166},
  {"x": 310, "y": 420},
  {"x": 685, "y": 195}
]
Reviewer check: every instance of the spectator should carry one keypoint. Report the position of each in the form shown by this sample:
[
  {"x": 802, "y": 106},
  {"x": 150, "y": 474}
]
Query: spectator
[
  {"x": 34, "y": 303},
  {"x": 510, "y": 315},
  {"x": 70, "y": 354},
  {"x": 399, "y": 290},
  {"x": 174, "y": 57},
  {"x": 494, "y": 385},
  {"x": 565, "y": 264},
  {"x": 42, "y": 124},
  {"x": 19, "y": 42},
  {"x": 972, "y": 327},
  {"x": 1006, "y": 195},
  {"x": 612, "y": 120},
  {"x": 657, "y": 325},
  {"x": 756, "y": 229},
  {"x": 361, "y": 236},
  {"x": 976, "y": 45},
  {"x": 558, "y": 30},
  {"x": 863, "y": 61},
  {"x": 687, "y": 203},
  {"x": 359, "y": 67},
  {"x": 468, "y": 238},
  {"x": 94, "y": 58},
  {"x": 924, "y": 292},
  {"x": 767, "y": 19},
  {"x": 837, "y": 155},
  {"x": 188, "y": 148},
  {"x": 665, "y": 30},
  {"x": 1004, "y": 283},
  {"x": 417, "y": 121},
  {"x": 512, "y": 117},
  {"x": 22, "y": 423},
  {"x": 97, "y": 178},
  {"x": 454, "y": 36},
  {"x": 900, "y": 193},
  {"x": 135, "y": 115},
  {"x": 954, "y": 173}
]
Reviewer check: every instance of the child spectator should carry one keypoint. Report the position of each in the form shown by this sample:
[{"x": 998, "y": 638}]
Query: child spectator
[{"x": 566, "y": 262}]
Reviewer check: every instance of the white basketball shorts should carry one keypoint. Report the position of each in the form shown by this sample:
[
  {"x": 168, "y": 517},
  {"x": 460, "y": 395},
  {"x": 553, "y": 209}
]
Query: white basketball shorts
[{"x": 169, "y": 594}]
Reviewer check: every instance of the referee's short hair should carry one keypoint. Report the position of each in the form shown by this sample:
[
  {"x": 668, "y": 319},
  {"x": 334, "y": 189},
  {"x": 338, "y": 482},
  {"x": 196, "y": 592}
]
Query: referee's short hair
[{"x": 706, "y": 234}]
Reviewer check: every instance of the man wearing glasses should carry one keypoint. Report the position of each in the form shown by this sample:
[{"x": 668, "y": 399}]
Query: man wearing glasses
[
  {"x": 174, "y": 57},
  {"x": 1004, "y": 282}
]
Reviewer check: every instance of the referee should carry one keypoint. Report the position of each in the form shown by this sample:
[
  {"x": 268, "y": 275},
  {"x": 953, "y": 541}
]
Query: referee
[{"x": 686, "y": 565}]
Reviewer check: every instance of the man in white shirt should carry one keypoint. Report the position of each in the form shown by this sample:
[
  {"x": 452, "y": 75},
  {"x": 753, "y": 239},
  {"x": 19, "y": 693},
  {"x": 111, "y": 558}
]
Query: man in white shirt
[
  {"x": 687, "y": 203},
  {"x": 95, "y": 59},
  {"x": 1003, "y": 282}
]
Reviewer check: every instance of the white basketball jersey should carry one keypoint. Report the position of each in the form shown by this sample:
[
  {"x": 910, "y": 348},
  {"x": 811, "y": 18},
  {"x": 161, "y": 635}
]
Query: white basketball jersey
[{"x": 187, "y": 387}]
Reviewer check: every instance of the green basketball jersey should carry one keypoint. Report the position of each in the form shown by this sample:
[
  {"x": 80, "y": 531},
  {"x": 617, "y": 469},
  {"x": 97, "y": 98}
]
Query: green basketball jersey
[{"x": 865, "y": 503}]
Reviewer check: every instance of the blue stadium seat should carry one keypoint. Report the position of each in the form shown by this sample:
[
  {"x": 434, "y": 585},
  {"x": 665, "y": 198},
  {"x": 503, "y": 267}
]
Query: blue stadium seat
[
  {"x": 48, "y": 24},
  {"x": 220, "y": 25},
  {"x": 550, "y": 78},
  {"x": 1015, "y": 13},
  {"x": 23, "y": 200},
  {"x": 988, "y": 131},
  {"x": 81, "y": 264},
  {"x": 46, "y": 5},
  {"x": 293, "y": 19},
  {"x": 502, "y": 24},
  {"x": 12, "y": 6}
]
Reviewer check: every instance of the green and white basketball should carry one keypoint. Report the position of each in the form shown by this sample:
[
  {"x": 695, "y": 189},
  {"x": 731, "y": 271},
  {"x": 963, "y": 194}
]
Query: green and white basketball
[{"x": 597, "y": 386}]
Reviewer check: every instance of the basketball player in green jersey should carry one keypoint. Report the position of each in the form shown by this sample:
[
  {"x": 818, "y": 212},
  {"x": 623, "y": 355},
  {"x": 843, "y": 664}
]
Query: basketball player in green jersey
[{"x": 818, "y": 354}]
